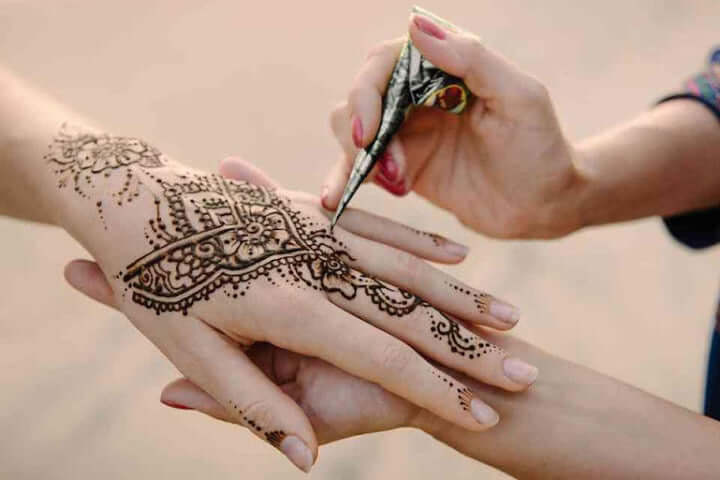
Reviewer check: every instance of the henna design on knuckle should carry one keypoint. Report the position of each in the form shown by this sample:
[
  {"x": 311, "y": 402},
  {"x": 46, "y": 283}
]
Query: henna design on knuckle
[{"x": 273, "y": 437}]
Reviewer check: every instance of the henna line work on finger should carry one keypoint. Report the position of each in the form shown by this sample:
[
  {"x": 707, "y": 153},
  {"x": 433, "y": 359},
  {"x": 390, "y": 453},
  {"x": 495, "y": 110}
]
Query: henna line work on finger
[
  {"x": 464, "y": 394},
  {"x": 470, "y": 345},
  {"x": 481, "y": 299}
]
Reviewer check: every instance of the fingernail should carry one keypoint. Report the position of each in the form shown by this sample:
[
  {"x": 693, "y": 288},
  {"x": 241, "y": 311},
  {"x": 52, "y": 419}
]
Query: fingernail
[
  {"x": 175, "y": 405},
  {"x": 429, "y": 27},
  {"x": 519, "y": 371},
  {"x": 456, "y": 249},
  {"x": 357, "y": 132},
  {"x": 504, "y": 312},
  {"x": 482, "y": 413},
  {"x": 394, "y": 188},
  {"x": 297, "y": 452}
]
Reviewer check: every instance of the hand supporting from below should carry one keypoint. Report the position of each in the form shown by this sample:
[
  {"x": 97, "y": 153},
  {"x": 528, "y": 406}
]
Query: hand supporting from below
[{"x": 204, "y": 265}]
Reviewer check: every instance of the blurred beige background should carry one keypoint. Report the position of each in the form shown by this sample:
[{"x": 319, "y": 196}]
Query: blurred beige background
[{"x": 79, "y": 386}]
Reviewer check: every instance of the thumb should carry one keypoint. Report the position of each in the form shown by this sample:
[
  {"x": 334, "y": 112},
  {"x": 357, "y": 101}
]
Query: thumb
[{"x": 486, "y": 73}]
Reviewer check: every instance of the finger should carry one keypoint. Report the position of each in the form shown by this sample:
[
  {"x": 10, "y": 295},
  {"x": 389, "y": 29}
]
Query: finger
[
  {"x": 429, "y": 246},
  {"x": 367, "y": 90},
  {"x": 86, "y": 277},
  {"x": 414, "y": 321},
  {"x": 443, "y": 291},
  {"x": 219, "y": 367},
  {"x": 236, "y": 168},
  {"x": 334, "y": 183},
  {"x": 486, "y": 73},
  {"x": 340, "y": 124},
  {"x": 369, "y": 353}
]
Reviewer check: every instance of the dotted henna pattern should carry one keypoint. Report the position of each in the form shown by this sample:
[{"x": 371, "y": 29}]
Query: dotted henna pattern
[
  {"x": 481, "y": 300},
  {"x": 79, "y": 158},
  {"x": 464, "y": 394},
  {"x": 210, "y": 233},
  {"x": 464, "y": 344},
  {"x": 273, "y": 437}
]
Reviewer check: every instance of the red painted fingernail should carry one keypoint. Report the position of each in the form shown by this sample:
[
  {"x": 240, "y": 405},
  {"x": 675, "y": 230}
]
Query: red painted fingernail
[
  {"x": 175, "y": 405},
  {"x": 429, "y": 27},
  {"x": 357, "y": 132},
  {"x": 388, "y": 167},
  {"x": 394, "y": 188}
]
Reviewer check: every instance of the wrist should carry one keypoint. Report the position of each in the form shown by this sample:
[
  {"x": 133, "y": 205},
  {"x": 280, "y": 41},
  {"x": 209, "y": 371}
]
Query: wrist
[
  {"x": 28, "y": 191},
  {"x": 563, "y": 214}
]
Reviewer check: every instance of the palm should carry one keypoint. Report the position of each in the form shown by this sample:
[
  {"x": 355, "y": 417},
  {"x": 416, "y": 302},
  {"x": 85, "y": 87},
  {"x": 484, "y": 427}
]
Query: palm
[{"x": 338, "y": 404}]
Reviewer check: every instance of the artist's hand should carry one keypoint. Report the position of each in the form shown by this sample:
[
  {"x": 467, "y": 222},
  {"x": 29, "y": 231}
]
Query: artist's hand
[
  {"x": 201, "y": 265},
  {"x": 503, "y": 166}
]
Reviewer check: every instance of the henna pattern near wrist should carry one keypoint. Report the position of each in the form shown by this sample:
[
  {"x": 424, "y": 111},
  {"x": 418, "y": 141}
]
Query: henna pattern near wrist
[{"x": 78, "y": 157}]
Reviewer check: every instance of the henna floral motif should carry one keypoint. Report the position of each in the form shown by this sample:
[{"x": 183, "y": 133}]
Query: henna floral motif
[
  {"x": 221, "y": 234},
  {"x": 79, "y": 157}
]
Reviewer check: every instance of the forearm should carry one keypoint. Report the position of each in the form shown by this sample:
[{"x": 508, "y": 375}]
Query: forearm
[
  {"x": 664, "y": 162},
  {"x": 577, "y": 423},
  {"x": 28, "y": 123}
]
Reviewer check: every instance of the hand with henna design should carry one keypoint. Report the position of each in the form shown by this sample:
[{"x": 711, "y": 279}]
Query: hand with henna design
[{"x": 205, "y": 266}]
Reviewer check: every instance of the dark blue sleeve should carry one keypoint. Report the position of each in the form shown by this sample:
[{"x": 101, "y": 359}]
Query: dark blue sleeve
[
  {"x": 701, "y": 228},
  {"x": 698, "y": 229}
]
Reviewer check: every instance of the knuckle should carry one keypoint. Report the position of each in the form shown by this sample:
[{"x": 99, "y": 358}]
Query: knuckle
[
  {"x": 358, "y": 94},
  {"x": 382, "y": 49},
  {"x": 336, "y": 117},
  {"x": 395, "y": 356},
  {"x": 412, "y": 267},
  {"x": 534, "y": 91},
  {"x": 257, "y": 415}
]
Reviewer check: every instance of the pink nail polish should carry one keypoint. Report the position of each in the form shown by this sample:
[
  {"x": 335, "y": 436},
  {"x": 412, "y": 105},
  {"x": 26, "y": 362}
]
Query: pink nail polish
[
  {"x": 357, "y": 132},
  {"x": 394, "y": 188},
  {"x": 429, "y": 27},
  {"x": 175, "y": 405},
  {"x": 388, "y": 167}
]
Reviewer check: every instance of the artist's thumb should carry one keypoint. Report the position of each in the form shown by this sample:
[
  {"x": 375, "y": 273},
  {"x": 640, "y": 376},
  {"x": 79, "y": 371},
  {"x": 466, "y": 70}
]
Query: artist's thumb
[{"x": 488, "y": 75}]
